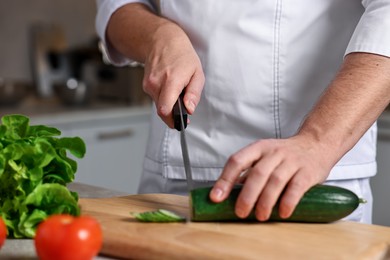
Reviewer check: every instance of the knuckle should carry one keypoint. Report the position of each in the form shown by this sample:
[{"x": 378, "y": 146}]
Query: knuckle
[
  {"x": 225, "y": 180},
  {"x": 260, "y": 172},
  {"x": 235, "y": 160},
  {"x": 261, "y": 142},
  {"x": 300, "y": 185},
  {"x": 160, "y": 113},
  {"x": 150, "y": 83},
  {"x": 277, "y": 179},
  {"x": 283, "y": 152}
]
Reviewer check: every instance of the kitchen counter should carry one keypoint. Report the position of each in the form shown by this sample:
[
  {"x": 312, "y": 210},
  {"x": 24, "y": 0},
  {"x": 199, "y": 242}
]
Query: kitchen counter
[
  {"x": 43, "y": 108},
  {"x": 23, "y": 249}
]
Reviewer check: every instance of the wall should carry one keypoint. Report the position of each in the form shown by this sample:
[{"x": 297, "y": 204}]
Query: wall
[{"x": 16, "y": 16}]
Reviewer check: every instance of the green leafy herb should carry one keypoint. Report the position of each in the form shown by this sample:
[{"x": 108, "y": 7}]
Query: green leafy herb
[
  {"x": 160, "y": 215},
  {"x": 34, "y": 172}
]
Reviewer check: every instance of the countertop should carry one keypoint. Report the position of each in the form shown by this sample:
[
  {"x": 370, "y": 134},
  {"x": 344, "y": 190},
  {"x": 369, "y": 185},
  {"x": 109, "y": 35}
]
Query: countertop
[
  {"x": 41, "y": 109},
  {"x": 23, "y": 249}
]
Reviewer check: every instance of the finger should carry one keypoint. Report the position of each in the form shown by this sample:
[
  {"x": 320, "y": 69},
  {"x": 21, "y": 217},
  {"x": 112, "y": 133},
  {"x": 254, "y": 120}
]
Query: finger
[
  {"x": 295, "y": 190},
  {"x": 193, "y": 91},
  {"x": 273, "y": 189},
  {"x": 151, "y": 85},
  {"x": 236, "y": 164},
  {"x": 258, "y": 176},
  {"x": 166, "y": 100}
]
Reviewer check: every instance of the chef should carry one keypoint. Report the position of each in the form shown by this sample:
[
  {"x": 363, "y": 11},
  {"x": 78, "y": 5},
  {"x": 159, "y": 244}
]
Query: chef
[{"x": 282, "y": 94}]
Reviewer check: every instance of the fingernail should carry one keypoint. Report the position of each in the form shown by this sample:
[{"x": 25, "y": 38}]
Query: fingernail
[
  {"x": 284, "y": 214},
  {"x": 217, "y": 193},
  {"x": 261, "y": 214},
  {"x": 264, "y": 217},
  {"x": 240, "y": 213},
  {"x": 191, "y": 106},
  {"x": 261, "y": 217}
]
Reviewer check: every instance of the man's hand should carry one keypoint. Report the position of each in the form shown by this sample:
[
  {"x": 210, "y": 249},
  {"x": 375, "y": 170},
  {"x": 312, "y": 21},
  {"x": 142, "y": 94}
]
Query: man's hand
[
  {"x": 269, "y": 168},
  {"x": 171, "y": 65},
  {"x": 171, "y": 62}
]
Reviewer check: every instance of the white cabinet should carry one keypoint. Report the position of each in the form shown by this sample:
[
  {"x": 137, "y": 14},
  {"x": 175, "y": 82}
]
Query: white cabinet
[{"x": 115, "y": 141}]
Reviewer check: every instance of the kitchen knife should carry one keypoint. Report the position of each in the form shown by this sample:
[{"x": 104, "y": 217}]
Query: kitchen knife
[{"x": 180, "y": 117}]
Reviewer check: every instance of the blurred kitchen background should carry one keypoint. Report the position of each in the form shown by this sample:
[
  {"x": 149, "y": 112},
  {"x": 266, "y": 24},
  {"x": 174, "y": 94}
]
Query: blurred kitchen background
[{"x": 52, "y": 71}]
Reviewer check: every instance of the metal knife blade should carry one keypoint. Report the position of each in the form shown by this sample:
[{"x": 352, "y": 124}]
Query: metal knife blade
[{"x": 180, "y": 117}]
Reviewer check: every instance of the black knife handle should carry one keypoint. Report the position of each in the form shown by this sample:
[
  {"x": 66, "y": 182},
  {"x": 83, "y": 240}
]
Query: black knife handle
[{"x": 179, "y": 112}]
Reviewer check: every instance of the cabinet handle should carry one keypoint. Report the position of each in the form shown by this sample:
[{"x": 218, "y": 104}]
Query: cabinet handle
[{"x": 115, "y": 134}]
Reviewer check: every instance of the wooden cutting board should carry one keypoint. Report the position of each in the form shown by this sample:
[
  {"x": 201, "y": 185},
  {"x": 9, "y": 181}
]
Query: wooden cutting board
[{"x": 124, "y": 237}]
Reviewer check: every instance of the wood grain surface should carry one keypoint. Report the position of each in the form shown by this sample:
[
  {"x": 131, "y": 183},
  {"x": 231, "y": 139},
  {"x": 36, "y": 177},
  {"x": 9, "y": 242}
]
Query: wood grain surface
[{"x": 124, "y": 237}]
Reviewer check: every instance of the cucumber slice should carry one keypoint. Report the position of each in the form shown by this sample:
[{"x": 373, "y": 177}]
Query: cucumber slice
[{"x": 158, "y": 216}]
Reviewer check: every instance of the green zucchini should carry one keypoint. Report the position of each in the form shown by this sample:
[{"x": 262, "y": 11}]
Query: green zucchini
[
  {"x": 160, "y": 215},
  {"x": 320, "y": 204}
]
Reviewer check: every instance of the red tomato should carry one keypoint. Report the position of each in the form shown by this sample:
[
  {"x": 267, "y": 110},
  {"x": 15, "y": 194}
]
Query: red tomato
[
  {"x": 64, "y": 237},
  {"x": 3, "y": 232}
]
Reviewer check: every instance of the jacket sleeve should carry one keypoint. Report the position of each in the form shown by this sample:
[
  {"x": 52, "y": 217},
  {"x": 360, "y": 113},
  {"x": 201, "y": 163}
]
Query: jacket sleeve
[
  {"x": 372, "y": 33},
  {"x": 105, "y": 8}
]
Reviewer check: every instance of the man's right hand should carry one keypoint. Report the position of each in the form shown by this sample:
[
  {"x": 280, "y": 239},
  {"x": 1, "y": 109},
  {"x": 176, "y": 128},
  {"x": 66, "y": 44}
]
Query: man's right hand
[{"x": 171, "y": 63}]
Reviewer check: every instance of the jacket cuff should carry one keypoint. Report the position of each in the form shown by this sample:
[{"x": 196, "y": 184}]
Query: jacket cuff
[
  {"x": 372, "y": 33},
  {"x": 105, "y": 9}
]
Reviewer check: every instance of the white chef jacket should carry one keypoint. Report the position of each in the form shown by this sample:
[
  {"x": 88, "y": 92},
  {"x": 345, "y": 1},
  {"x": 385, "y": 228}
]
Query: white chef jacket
[{"x": 266, "y": 62}]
